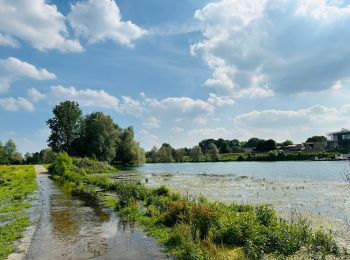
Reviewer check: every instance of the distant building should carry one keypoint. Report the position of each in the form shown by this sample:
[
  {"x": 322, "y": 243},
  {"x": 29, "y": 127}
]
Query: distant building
[
  {"x": 339, "y": 140},
  {"x": 294, "y": 147},
  {"x": 315, "y": 146},
  {"x": 248, "y": 149}
]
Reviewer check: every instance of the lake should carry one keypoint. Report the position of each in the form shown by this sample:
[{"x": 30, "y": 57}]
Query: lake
[{"x": 316, "y": 189}]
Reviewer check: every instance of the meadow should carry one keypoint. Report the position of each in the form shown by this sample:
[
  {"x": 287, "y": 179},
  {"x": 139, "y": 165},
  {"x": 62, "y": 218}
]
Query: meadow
[{"x": 17, "y": 184}]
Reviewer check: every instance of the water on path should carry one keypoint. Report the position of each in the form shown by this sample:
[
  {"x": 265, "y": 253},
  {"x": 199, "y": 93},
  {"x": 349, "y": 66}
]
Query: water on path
[{"x": 76, "y": 228}]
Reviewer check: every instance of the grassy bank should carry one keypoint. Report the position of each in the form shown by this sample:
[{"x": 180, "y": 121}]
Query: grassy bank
[
  {"x": 17, "y": 183},
  {"x": 194, "y": 228}
]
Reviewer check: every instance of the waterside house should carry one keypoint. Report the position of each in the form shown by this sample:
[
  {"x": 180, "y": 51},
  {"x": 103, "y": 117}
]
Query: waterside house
[{"x": 339, "y": 140}]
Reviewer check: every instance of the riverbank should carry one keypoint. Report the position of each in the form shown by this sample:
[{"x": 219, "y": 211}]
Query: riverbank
[{"x": 194, "y": 228}]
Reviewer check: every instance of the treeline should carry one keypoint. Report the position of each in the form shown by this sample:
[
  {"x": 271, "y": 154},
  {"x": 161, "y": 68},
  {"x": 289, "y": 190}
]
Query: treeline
[
  {"x": 166, "y": 153},
  {"x": 255, "y": 149},
  {"x": 94, "y": 135},
  {"x": 9, "y": 153}
]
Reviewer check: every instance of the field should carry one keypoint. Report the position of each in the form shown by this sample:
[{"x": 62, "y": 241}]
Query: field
[{"x": 17, "y": 183}]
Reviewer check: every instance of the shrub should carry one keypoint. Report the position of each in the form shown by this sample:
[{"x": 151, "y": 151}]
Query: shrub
[
  {"x": 176, "y": 211},
  {"x": 162, "y": 191},
  {"x": 203, "y": 218}
]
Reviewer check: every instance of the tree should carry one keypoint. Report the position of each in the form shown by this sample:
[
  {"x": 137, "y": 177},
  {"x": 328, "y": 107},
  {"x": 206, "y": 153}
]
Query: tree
[
  {"x": 3, "y": 158},
  {"x": 100, "y": 136},
  {"x": 316, "y": 139},
  {"x": 65, "y": 126},
  {"x": 165, "y": 153},
  {"x": 205, "y": 146},
  {"x": 270, "y": 145},
  {"x": 128, "y": 151},
  {"x": 47, "y": 156},
  {"x": 214, "y": 153},
  {"x": 252, "y": 142},
  {"x": 11, "y": 154},
  {"x": 153, "y": 154},
  {"x": 196, "y": 154},
  {"x": 286, "y": 143},
  {"x": 178, "y": 154}
]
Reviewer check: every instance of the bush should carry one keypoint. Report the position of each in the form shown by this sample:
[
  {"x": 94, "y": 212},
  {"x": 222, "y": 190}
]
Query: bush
[
  {"x": 162, "y": 191},
  {"x": 176, "y": 211}
]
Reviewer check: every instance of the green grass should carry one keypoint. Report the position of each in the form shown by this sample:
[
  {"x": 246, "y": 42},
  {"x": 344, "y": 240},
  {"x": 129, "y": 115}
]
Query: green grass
[
  {"x": 193, "y": 227},
  {"x": 17, "y": 183}
]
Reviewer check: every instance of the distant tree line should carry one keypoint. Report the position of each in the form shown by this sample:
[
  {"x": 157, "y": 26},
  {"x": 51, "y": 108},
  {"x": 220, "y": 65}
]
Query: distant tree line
[
  {"x": 45, "y": 156},
  {"x": 94, "y": 135},
  {"x": 211, "y": 149},
  {"x": 9, "y": 153}
]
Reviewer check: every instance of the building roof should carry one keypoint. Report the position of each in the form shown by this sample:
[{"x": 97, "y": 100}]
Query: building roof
[{"x": 342, "y": 131}]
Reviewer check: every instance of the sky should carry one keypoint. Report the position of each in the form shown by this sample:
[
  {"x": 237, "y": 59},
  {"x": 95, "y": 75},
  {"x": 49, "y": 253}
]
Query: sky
[{"x": 177, "y": 71}]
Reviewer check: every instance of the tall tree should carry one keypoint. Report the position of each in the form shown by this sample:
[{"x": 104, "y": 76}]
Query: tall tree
[
  {"x": 100, "y": 136},
  {"x": 196, "y": 154},
  {"x": 214, "y": 153},
  {"x": 65, "y": 126},
  {"x": 11, "y": 153},
  {"x": 165, "y": 153},
  {"x": 3, "y": 158},
  {"x": 129, "y": 151}
]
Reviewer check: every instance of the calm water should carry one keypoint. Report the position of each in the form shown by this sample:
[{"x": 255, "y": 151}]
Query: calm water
[
  {"x": 316, "y": 189},
  {"x": 78, "y": 228}
]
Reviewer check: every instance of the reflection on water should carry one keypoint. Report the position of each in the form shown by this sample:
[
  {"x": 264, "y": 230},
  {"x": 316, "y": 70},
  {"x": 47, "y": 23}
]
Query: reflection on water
[
  {"x": 316, "y": 189},
  {"x": 77, "y": 228}
]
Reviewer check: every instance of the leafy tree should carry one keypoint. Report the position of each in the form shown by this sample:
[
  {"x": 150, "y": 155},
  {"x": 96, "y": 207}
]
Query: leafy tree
[
  {"x": 316, "y": 139},
  {"x": 266, "y": 146},
  {"x": 178, "y": 154},
  {"x": 286, "y": 143},
  {"x": 205, "y": 146},
  {"x": 196, "y": 154},
  {"x": 214, "y": 153},
  {"x": 128, "y": 151},
  {"x": 3, "y": 158},
  {"x": 100, "y": 136},
  {"x": 252, "y": 142},
  {"x": 153, "y": 154},
  {"x": 165, "y": 153},
  {"x": 47, "y": 155},
  {"x": 65, "y": 126},
  {"x": 11, "y": 153},
  {"x": 225, "y": 148}
]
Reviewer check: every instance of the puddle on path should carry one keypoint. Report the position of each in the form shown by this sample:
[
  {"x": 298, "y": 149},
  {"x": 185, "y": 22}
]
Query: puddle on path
[{"x": 72, "y": 227}]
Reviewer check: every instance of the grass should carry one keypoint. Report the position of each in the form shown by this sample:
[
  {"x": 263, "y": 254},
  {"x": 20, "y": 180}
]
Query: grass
[
  {"x": 17, "y": 183},
  {"x": 193, "y": 227}
]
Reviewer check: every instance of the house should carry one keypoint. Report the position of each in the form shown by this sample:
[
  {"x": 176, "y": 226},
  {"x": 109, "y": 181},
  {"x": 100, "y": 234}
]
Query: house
[
  {"x": 315, "y": 146},
  {"x": 339, "y": 140}
]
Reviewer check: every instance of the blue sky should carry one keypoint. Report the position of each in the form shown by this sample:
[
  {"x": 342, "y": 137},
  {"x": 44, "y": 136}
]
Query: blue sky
[{"x": 178, "y": 71}]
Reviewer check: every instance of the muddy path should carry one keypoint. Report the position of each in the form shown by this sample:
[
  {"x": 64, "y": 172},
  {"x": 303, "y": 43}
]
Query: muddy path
[{"x": 72, "y": 227}]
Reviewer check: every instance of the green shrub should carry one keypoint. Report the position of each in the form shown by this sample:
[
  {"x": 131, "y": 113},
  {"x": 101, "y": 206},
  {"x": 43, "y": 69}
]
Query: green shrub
[
  {"x": 176, "y": 211},
  {"x": 162, "y": 191}
]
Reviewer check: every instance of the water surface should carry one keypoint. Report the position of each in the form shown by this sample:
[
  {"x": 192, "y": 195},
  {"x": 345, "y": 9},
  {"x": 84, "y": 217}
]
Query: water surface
[
  {"x": 78, "y": 228},
  {"x": 316, "y": 189}
]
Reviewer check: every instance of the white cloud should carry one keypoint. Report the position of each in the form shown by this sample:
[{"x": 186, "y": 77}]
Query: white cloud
[
  {"x": 220, "y": 100},
  {"x": 151, "y": 122},
  {"x": 314, "y": 116},
  {"x": 12, "y": 69},
  {"x": 38, "y": 23},
  {"x": 13, "y": 104},
  {"x": 258, "y": 48},
  {"x": 99, "y": 20},
  {"x": 177, "y": 130},
  {"x": 34, "y": 95},
  {"x": 86, "y": 97},
  {"x": 6, "y": 40}
]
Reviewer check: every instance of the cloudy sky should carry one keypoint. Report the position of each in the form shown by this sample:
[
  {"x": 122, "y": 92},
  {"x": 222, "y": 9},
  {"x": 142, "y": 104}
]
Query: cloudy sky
[{"x": 178, "y": 71}]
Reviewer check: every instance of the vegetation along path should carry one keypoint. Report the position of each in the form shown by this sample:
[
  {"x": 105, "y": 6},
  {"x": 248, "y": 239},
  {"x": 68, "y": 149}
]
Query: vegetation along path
[{"x": 71, "y": 227}]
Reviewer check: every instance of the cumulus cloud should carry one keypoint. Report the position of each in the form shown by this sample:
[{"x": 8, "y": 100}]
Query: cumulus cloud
[
  {"x": 99, "y": 20},
  {"x": 35, "y": 95},
  {"x": 16, "y": 104},
  {"x": 151, "y": 122},
  {"x": 258, "y": 48},
  {"x": 314, "y": 116},
  {"x": 85, "y": 97},
  {"x": 6, "y": 40},
  {"x": 12, "y": 69},
  {"x": 36, "y": 22}
]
